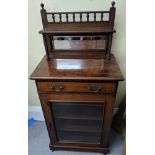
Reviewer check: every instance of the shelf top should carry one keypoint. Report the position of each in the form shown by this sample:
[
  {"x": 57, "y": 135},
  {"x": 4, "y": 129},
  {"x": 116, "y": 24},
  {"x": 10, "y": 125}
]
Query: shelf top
[
  {"x": 78, "y": 28},
  {"x": 78, "y": 69}
]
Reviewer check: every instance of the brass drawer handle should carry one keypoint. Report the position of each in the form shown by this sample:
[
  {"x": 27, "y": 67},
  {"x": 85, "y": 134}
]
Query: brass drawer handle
[
  {"x": 57, "y": 87},
  {"x": 94, "y": 88}
]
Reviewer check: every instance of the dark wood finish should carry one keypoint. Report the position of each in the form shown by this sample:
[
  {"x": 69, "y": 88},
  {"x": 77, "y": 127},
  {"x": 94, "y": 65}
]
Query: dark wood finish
[
  {"x": 81, "y": 15},
  {"x": 78, "y": 147},
  {"x": 64, "y": 26},
  {"x": 110, "y": 100},
  {"x": 72, "y": 97},
  {"x": 53, "y": 16},
  {"x": 73, "y": 80},
  {"x": 43, "y": 15},
  {"x": 46, "y": 47},
  {"x": 78, "y": 29},
  {"x": 78, "y": 69},
  {"x": 88, "y": 54},
  {"x": 77, "y": 88},
  {"x": 112, "y": 14},
  {"x": 109, "y": 43},
  {"x": 49, "y": 44}
]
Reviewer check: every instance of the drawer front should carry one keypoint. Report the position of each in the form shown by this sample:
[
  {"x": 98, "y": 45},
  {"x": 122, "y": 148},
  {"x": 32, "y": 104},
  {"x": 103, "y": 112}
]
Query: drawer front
[{"x": 77, "y": 87}]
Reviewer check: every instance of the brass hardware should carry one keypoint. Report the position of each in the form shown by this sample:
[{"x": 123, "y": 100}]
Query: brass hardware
[
  {"x": 95, "y": 88},
  {"x": 57, "y": 87}
]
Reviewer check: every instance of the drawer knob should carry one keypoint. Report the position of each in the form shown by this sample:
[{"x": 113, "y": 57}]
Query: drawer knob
[
  {"x": 57, "y": 87},
  {"x": 94, "y": 88}
]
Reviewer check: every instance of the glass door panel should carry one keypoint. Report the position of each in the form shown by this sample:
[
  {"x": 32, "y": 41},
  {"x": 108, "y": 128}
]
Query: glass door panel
[{"x": 78, "y": 122}]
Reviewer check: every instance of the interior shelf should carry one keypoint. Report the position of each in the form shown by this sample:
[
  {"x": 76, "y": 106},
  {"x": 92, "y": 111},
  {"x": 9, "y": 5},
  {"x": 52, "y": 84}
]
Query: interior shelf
[
  {"x": 78, "y": 28},
  {"x": 78, "y": 138},
  {"x": 73, "y": 54},
  {"x": 80, "y": 128},
  {"x": 79, "y": 117}
]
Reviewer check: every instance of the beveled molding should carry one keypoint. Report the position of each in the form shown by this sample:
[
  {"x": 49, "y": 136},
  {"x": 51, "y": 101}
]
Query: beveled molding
[{"x": 79, "y": 147}]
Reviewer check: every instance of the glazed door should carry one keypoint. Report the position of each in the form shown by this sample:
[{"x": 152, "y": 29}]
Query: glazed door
[
  {"x": 78, "y": 121},
  {"x": 78, "y": 118}
]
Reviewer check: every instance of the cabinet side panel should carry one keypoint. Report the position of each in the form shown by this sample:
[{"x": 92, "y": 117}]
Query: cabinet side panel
[
  {"x": 48, "y": 118},
  {"x": 109, "y": 105}
]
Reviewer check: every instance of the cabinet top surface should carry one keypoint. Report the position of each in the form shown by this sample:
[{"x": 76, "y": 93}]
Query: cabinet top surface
[{"x": 77, "y": 69}]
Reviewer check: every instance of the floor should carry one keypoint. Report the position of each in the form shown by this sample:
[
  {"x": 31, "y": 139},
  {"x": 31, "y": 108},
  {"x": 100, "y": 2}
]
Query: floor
[{"x": 39, "y": 141}]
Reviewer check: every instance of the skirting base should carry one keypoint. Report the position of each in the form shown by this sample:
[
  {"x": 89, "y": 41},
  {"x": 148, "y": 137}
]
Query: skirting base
[{"x": 79, "y": 148}]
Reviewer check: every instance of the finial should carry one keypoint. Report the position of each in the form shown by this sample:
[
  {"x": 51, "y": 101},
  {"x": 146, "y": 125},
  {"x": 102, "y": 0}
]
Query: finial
[
  {"x": 112, "y": 3},
  {"x": 42, "y": 5}
]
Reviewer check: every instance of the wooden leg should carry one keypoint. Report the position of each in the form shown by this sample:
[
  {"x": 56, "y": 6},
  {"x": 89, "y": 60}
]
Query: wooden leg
[{"x": 51, "y": 148}]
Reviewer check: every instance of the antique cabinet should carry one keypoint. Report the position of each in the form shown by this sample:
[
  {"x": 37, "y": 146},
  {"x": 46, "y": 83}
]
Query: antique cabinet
[{"x": 77, "y": 86}]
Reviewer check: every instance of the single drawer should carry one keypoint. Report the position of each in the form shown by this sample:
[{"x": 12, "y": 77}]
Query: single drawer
[{"x": 77, "y": 87}]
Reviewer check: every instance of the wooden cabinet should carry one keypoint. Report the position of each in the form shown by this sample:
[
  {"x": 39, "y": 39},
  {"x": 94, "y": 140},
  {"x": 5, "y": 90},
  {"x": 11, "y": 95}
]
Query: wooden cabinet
[
  {"x": 77, "y": 88},
  {"x": 78, "y": 109},
  {"x": 78, "y": 120}
]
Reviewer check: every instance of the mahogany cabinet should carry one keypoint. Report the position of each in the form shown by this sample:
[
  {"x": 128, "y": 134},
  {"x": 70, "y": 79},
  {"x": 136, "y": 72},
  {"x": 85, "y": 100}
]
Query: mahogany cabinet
[
  {"x": 77, "y": 88},
  {"x": 78, "y": 103}
]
